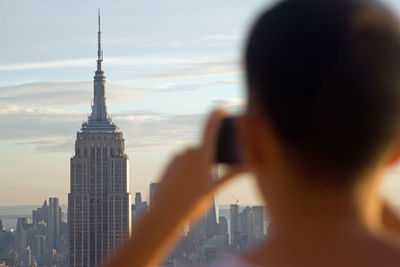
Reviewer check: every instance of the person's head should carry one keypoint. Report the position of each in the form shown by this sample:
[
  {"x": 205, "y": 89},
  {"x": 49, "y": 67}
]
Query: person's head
[{"x": 324, "y": 76}]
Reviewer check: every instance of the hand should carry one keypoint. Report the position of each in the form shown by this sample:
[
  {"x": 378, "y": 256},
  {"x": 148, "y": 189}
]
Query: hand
[
  {"x": 187, "y": 185},
  {"x": 185, "y": 190}
]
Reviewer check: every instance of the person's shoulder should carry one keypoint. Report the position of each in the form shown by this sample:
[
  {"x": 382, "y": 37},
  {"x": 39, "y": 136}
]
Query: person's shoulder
[{"x": 232, "y": 261}]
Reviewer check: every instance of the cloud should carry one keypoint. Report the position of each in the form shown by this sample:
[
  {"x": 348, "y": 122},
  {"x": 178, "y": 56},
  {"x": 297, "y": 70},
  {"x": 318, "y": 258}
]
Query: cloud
[
  {"x": 79, "y": 94},
  {"x": 230, "y": 102},
  {"x": 28, "y": 115},
  {"x": 227, "y": 38},
  {"x": 176, "y": 87},
  {"x": 28, "y": 124},
  {"x": 202, "y": 67},
  {"x": 88, "y": 62},
  {"x": 80, "y": 62},
  {"x": 233, "y": 105},
  {"x": 157, "y": 131},
  {"x": 53, "y": 130},
  {"x": 223, "y": 39},
  {"x": 66, "y": 93},
  {"x": 168, "y": 65},
  {"x": 140, "y": 67},
  {"x": 52, "y": 144}
]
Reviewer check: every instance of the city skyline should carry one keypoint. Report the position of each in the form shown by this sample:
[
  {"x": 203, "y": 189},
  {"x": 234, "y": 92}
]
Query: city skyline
[
  {"x": 163, "y": 78},
  {"x": 41, "y": 239}
]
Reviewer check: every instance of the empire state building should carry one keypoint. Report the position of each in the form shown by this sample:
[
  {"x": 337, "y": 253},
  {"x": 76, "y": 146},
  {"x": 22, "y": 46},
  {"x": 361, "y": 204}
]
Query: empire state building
[{"x": 99, "y": 201}]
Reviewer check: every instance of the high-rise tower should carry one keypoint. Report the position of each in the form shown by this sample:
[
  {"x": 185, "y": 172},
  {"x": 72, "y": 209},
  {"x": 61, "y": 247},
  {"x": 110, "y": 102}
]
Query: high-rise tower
[{"x": 99, "y": 202}]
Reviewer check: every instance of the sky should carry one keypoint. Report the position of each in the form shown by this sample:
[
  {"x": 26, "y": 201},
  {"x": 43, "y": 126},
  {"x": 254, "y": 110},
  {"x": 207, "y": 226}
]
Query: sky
[{"x": 167, "y": 63}]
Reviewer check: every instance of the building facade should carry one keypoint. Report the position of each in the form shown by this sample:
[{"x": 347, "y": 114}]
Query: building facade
[
  {"x": 258, "y": 222},
  {"x": 54, "y": 222},
  {"x": 99, "y": 202}
]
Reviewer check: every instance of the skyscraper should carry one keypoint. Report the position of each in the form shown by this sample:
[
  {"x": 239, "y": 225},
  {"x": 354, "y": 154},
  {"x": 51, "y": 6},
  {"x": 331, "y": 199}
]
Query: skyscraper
[
  {"x": 99, "y": 201},
  {"x": 258, "y": 221},
  {"x": 138, "y": 208},
  {"x": 153, "y": 187},
  {"x": 235, "y": 230},
  {"x": 54, "y": 223},
  {"x": 53, "y": 217}
]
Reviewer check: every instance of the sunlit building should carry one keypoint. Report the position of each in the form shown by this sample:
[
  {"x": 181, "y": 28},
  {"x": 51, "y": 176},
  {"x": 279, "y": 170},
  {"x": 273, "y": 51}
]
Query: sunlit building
[{"x": 99, "y": 202}]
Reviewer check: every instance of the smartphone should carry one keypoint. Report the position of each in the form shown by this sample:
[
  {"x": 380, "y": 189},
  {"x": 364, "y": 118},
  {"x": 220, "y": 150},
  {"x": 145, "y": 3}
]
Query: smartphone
[{"x": 228, "y": 151}]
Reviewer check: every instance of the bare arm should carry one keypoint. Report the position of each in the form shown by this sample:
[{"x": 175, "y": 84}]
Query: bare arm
[{"x": 184, "y": 193}]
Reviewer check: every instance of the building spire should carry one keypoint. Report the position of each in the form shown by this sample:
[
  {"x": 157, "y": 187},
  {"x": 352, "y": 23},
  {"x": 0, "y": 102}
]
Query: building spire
[
  {"x": 99, "y": 121},
  {"x": 99, "y": 50}
]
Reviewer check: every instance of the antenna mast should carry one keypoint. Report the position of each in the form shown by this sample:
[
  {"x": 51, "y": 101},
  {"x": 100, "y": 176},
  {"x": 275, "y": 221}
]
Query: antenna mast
[{"x": 99, "y": 50}]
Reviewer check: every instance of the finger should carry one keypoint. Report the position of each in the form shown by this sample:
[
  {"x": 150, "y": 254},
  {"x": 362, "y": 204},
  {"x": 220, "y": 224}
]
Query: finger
[
  {"x": 211, "y": 131},
  {"x": 233, "y": 172}
]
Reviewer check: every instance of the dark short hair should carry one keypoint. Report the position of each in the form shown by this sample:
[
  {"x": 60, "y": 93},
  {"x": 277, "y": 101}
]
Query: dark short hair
[{"x": 326, "y": 73}]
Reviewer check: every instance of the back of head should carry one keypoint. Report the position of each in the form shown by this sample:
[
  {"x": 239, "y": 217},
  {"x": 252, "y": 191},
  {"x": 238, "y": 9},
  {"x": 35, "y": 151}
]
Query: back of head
[{"x": 326, "y": 74}]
